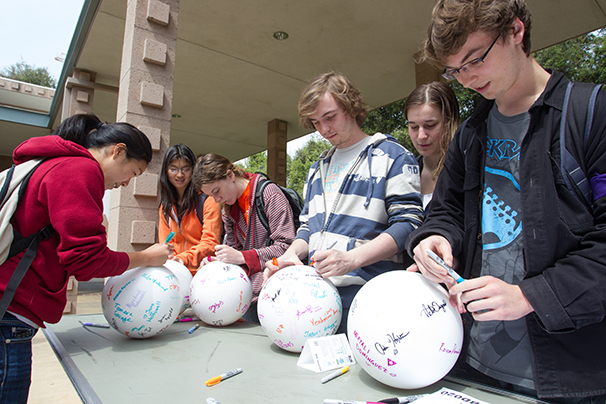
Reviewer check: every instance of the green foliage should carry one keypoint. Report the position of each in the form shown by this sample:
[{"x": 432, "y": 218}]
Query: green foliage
[
  {"x": 256, "y": 162},
  {"x": 468, "y": 99},
  {"x": 580, "y": 59},
  {"x": 385, "y": 119},
  {"x": 390, "y": 119},
  {"x": 304, "y": 157},
  {"x": 29, "y": 74}
]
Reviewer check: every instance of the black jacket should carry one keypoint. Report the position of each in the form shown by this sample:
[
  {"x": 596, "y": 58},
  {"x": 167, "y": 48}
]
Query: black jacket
[{"x": 564, "y": 243}]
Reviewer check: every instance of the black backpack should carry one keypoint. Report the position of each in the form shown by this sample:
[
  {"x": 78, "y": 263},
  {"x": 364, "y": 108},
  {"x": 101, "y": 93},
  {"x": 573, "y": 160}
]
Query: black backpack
[
  {"x": 582, "y": 105},
  {"x": 294, "y": 199}
]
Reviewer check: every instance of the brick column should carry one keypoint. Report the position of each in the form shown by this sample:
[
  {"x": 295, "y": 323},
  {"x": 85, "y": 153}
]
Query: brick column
[
  {"x": 276, "y": 150},
  {"x": 144, "y": 100}
]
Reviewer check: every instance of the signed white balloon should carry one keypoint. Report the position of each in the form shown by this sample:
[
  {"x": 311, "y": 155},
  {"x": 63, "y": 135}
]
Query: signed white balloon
[
  {"x": 220, "y": 293},
  {"x": 403, "y": 330},
  {"x": 142, "y": 302},
  {"x": 185, "y": 277},
  {"x": 296, "y": 304}
]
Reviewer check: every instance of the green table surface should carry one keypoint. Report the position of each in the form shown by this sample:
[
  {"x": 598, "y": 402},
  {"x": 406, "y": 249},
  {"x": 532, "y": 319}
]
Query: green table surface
[{"x": 108, "y": 367}]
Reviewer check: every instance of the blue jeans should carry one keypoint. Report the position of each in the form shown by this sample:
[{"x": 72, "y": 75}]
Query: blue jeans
[
  {"x": 15, "y": 359},
  {"x": 251, "y": 314}
]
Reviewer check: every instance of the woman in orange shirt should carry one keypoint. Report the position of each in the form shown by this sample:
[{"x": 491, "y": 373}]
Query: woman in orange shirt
[{"x": 180, "y": 207}]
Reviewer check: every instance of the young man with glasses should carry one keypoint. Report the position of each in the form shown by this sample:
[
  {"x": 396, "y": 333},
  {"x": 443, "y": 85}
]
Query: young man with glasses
[{"x": 532, "y": 253}]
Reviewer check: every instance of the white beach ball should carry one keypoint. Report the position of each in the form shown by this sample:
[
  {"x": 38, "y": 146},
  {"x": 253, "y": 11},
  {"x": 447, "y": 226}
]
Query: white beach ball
[
  {"x": 403, "y": 330},
  {"x": 185, "y": 277},
  {"x": 296, "y": 304},
  {"x": 142, "y": 302},
  {"x": 220, "y": 293}
]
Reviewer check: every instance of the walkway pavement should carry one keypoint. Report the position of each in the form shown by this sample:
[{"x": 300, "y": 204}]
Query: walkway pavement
[{"x": 50, "y": 384}]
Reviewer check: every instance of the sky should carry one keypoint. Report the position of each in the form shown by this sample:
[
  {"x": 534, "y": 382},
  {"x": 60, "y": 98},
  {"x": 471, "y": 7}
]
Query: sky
[{"x": 37, "y": 31}]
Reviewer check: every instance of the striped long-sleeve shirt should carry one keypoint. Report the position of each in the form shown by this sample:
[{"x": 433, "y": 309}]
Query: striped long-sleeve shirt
[
  {"x": 251, "y": 238},
  {"x": 380, "y": 194}
]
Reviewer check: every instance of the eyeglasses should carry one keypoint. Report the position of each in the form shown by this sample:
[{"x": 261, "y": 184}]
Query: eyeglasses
[
  {"x": 175, "y": 170},
  {"x": 449, "y": 74}
]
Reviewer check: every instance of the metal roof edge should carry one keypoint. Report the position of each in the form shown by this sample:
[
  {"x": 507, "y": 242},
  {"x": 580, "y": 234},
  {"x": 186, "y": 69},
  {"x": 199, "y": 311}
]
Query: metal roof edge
[
  {"x": 24, "y": 117},
  {"x": 87, "y": 16}
]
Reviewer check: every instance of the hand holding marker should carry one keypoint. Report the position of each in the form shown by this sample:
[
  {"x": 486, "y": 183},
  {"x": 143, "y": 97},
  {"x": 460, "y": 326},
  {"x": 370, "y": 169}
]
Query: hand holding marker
[
  {"x": 441, "y": 262},
  {"x": 328, "y": 248}
]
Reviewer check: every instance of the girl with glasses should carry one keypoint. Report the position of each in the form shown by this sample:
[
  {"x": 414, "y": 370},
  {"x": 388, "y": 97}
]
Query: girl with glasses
[{"x": 195, "y": 219}]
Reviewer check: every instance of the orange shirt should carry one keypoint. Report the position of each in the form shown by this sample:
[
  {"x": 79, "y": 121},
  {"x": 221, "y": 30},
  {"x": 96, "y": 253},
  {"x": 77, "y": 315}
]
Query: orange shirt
[
  {"x": 244, "y": 202},
  {"x": 193, "y": 242}
]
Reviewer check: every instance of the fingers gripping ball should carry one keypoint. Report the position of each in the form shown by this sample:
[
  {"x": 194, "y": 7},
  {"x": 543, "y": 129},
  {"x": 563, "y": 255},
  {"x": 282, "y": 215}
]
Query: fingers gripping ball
[
  {"x": 403, "y": 330},
  {"x": 142, "y": 302},
  {"x": 185, "y": 277},
  {"x": 296, "y": 304},
  {"x": 220, "y": 293}
]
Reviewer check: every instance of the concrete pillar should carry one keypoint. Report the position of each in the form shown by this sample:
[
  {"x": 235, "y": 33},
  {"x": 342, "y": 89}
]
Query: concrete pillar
[
  {"x": 144, "y": 100},
  {"x": 426, "y": 73},
  {"x": 276, "y": 150},
  {"x": 77, "y": 100}
]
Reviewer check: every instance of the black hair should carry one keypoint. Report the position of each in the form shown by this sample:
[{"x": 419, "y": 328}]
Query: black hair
[
  {"x": 88, "y": 131},
  {"x": 168, "y": 193}
]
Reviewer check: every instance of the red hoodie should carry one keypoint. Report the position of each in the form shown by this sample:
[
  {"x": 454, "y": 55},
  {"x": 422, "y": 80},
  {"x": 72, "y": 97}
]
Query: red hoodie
[{"x": 66, "y": 191}]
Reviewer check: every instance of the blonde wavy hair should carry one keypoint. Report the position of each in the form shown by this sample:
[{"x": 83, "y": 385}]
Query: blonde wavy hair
[{"x": 342, "y": 89}]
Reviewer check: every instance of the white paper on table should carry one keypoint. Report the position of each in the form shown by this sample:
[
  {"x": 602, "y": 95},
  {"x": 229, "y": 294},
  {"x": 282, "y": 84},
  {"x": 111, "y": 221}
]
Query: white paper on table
[
  {"x": 448, "y": 396},
  {"x": 326, "y": 353}
]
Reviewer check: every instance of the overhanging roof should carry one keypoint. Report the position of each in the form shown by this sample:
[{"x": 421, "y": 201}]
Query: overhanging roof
[{"x": 232, "y": 76}]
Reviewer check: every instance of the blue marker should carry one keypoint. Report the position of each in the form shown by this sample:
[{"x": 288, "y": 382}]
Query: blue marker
[
  {"x": 87, "y": 324},
  {"x": 194, "y": 328},
  {"x": 170, "y": 236},
  {"x": 441, "y": 262}
]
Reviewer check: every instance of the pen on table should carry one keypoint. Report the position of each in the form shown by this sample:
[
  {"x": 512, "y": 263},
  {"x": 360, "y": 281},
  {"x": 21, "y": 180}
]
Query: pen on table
[
  {"x": 211, "y": 400},
  {"x": 329, "y": 401},
  {"x": 402, "y": 400},
  {"x": 94, "y": 325},
  {"x": 217, "y": 379},
  {"x": 170, "y": 236},
  {"x": 194, "y": 328},
  {"x": 335, "y": 374},
  {"x": 327, "y": 248},
  {"x": 184, "y": 319}
]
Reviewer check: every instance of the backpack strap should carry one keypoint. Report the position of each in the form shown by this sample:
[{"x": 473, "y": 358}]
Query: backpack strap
[
  {"x": 23, "y": 266},
  {"x": 260, "y": 204},
  {"x": 582, "y": 104},
  {"x": 200, "y": 207}
]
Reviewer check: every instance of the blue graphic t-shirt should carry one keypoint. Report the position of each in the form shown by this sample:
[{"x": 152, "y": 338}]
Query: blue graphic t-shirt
[{"x": 501, "y": 349}]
